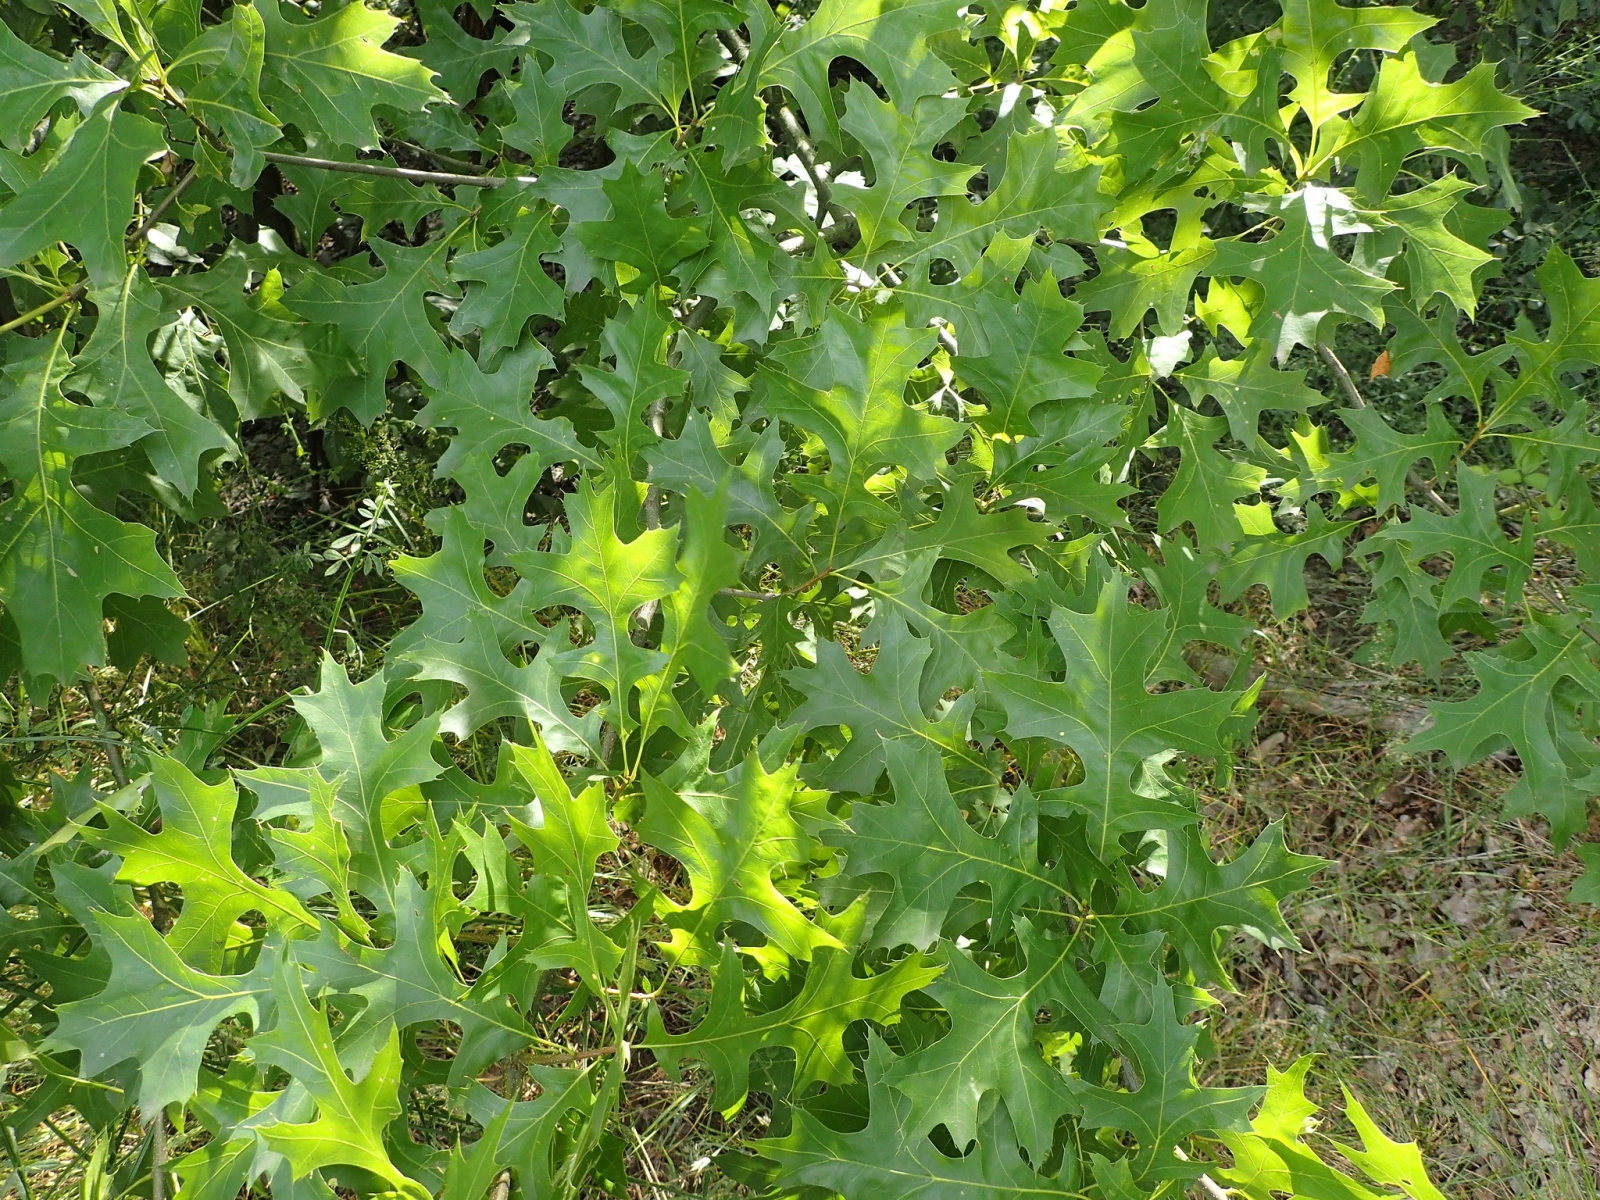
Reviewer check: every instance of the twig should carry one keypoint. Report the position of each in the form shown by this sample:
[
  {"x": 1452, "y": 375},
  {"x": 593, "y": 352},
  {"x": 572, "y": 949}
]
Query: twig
[
  {"x": 167, "y": 202},
  {"x": 75, "y": 292},
  {"x": 803, "y": 150},
  {"x": 842, "y": 232},
  {"x": 1347, "y": 384},
  {"x": 502, "y": 1185},
  {"x": 1212, "y": 1187},
  {"x": 442, "y": 178},
  {"x": 1428, "y": 490},
  {"x": 78, "y": 290},
  {"x": 700, "y": 313},
  {"x": 571, "y": 1056},
  {"x": 807, "y": 155},
  {"x": 97, "y": 706},
  {"x": 443, "y": 160},
  {"x": 1353, "y": 394}
]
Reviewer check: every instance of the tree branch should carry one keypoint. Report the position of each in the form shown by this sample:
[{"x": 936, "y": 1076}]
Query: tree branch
[{"x": 803, "y": 149}]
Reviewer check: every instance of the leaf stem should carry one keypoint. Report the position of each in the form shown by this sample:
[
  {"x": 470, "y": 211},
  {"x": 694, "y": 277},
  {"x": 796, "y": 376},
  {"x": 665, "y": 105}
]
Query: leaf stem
[{"x": 15, "y": 1154}]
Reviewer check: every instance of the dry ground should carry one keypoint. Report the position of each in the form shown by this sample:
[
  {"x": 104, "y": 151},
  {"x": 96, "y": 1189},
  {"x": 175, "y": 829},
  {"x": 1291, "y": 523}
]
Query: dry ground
[{"x": 1445, "y": 978}]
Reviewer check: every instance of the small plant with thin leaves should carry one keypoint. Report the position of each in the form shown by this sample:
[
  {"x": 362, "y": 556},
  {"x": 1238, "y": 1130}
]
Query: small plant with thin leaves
[{"x": 370, "y": 543}]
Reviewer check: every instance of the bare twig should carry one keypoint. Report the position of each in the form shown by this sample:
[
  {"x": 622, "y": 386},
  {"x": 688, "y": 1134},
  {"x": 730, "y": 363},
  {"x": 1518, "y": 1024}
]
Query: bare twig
[
  {"x": 443, "y": 160},
  {"x": 842, "y": 232},
  {"x": 700, "y": 313},
  {"x": 442, "y": 178},
  {"x": 1353, "y": 394},
  {"x": 1213, "y": 1189},
  {"x": 1346, "y": 384}
]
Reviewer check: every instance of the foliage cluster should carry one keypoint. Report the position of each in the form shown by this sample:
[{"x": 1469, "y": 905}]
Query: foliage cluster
[{"x": 858, "y": 415}]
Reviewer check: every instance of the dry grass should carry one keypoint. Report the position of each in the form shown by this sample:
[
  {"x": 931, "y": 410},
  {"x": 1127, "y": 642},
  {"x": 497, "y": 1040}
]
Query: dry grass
[{"x": 1445, "y": 978}]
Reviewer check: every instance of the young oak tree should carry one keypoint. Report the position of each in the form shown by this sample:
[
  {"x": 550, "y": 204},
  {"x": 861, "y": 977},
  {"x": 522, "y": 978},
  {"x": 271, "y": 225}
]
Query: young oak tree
[{"x": 851, "y": 409}]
